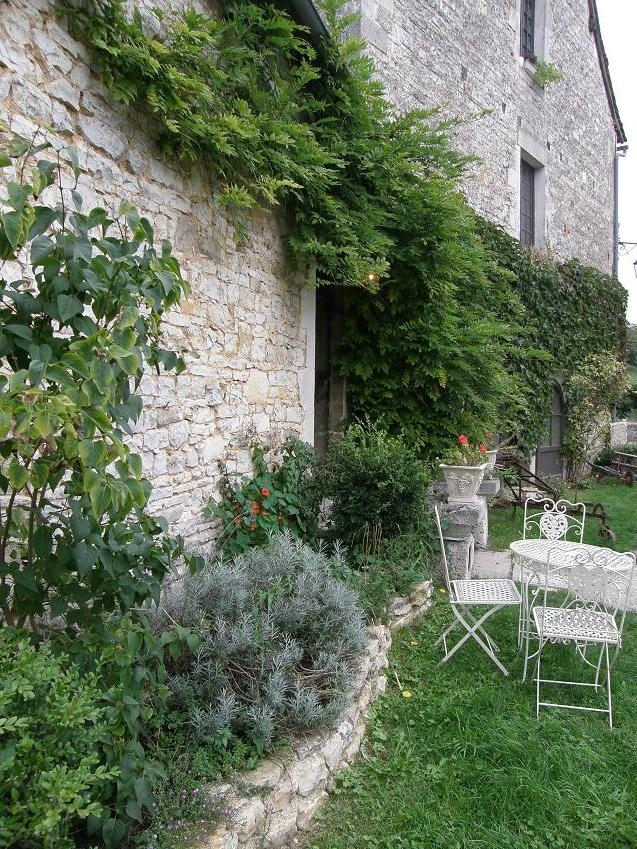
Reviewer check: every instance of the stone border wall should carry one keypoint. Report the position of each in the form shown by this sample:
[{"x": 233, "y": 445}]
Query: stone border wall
[
  {"x": 622, "y": 432},
  {"x": 270, "y": 804}
]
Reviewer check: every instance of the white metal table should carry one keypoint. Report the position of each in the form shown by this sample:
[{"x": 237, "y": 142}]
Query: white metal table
[{"x": 531, "y": 556}]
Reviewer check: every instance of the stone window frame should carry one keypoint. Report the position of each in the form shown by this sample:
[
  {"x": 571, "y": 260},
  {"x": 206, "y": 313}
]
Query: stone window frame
[
  {"x": 539, "y": 12},
  {"x": 530, "y": 153}
]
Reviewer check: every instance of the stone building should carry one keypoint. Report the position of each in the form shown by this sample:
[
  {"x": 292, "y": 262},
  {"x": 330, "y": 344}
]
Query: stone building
[
  {"x": 249, "y": 329},
  {"x": 547, "y": 150}
]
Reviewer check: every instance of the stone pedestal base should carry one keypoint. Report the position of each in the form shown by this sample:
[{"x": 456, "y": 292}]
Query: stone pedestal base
[
  {"x": 458, "y": 558},
  {"x": 473, "y": 517}
]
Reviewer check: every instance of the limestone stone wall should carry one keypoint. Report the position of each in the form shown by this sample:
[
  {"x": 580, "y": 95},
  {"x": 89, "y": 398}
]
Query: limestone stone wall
[
  {"x": 463, "y": 55},
  {"x": 247, "y": 329}
]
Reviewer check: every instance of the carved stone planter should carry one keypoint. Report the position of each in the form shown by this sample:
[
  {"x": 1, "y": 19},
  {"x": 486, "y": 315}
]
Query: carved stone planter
[{"x": 463, "y": 482}]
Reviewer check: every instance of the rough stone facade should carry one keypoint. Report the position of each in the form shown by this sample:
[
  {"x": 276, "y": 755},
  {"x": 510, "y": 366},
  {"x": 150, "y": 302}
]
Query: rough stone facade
[
  {"x": 464, "y": 55},
  {"x": 247, "y": 329}
]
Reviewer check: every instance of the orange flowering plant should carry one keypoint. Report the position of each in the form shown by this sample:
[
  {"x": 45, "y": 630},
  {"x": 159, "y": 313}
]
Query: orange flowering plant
[
  {"x": 464, "y": 453},
  {"x": 277, "y": 497}
]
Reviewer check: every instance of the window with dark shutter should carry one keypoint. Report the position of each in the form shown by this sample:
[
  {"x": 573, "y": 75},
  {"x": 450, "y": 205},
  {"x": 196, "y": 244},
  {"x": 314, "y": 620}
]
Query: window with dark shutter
[
  {"x": 527, "y": 28},
  {"x": 527, "y": 203}
]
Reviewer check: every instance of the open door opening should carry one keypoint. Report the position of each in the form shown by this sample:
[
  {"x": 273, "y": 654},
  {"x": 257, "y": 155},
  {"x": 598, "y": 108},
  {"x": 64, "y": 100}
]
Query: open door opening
[
  {"x": 549, "y": 458},
  {"x": 330, "y": 402}
]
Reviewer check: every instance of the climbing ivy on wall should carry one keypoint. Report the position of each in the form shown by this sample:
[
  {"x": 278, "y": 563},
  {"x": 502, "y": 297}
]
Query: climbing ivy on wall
[
  {"x": 438, "y": 338},
  {"x": 572, "y": 311}
]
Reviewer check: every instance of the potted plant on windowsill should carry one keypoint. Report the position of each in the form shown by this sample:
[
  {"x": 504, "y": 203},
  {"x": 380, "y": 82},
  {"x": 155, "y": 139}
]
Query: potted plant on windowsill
[{"x": 464, "y": 469}]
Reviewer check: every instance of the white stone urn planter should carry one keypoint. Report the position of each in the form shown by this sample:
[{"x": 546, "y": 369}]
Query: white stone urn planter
[
  {"x": 463, "y": 482},
  {"x": 491, "y": 458}
]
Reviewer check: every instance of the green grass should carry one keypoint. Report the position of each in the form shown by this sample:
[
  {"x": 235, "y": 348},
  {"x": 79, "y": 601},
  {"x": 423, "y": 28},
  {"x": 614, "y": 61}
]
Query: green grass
[
  {"x": 464, "y": 764},
  {"x": 619, "y": 500}
]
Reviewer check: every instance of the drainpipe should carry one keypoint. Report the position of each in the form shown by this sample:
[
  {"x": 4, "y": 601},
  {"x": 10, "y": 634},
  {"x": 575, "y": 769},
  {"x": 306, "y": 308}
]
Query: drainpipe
[{"x": 620, "y": 150}]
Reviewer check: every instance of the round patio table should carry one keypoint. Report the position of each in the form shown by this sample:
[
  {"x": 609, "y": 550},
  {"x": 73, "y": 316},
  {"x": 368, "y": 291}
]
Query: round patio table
[{"x": 531, "y": 555}]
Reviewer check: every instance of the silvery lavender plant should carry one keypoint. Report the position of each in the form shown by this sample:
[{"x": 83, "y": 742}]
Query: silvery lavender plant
[{"x": 278, "y": 640}]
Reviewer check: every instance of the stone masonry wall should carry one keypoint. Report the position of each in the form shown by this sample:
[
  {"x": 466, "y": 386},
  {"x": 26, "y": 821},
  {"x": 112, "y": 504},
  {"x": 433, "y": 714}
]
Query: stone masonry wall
[
  {"x": 463, "y": 55},
  {"x": 247, "y": 328}
]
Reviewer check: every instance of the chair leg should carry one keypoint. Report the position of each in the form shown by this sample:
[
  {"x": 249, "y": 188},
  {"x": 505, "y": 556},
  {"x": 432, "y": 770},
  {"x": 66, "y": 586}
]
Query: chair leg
[
  {"x": 472, "y": 632},
  {"x": 537, "y": 680},
  {"x": 608, "y": 690}
]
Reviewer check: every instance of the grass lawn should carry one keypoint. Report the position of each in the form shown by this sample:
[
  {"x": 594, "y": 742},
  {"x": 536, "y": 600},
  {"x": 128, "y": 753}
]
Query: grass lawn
[
  {"x": 619, "y": 500},
  {"x": 463, "y": 764}
]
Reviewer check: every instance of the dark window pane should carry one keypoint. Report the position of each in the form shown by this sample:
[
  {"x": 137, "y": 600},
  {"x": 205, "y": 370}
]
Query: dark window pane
[
  {"x": 527, "y": 203},
  {"x": 527, "y": 28}
]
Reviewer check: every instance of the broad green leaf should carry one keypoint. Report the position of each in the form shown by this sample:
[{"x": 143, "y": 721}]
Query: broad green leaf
[
  {"x": 13, "y": 227},
  {"x": 84, "y": 558},
  {"x": 5, "y": 424},
  {"x": 41, "y": 247},
  {"x": 135, "y": 465},
  {"x": 68, "y": 306},
  {"x": 43, "y": 424},
  {"x": 17, "y": 474}
]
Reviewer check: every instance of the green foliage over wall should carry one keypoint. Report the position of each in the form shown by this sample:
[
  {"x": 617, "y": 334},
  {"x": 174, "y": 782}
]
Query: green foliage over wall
[
  {"x": 447, "y": 342},
  {"x": 572, "y": 311},
  {"x": 372, "y": 197}
]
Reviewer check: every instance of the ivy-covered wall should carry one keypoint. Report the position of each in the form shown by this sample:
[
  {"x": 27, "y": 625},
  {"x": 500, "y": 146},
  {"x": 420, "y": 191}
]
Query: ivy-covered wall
[
  {"x": 570, "y": 312},
  {"x": 259, "y": 157}
]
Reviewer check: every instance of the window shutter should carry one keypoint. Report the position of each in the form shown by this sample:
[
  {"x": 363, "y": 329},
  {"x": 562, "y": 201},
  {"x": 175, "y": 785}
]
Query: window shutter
[
  {"x": 527, "y": 28},
  {"x": 527, "y": 203}
]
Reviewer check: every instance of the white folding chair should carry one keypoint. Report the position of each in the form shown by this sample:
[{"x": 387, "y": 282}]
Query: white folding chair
[
  {"x": 545, "y": 518},
  {"x": 583, "y": 603},
  {"x": 464, "y": 595}
]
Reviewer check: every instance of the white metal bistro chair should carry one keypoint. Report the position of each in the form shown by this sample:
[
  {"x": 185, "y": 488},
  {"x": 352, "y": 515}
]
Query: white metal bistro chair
[
  {"x": 545, "y": 518},
  {"x": 464, "y": 595},
  {"x": 584, "y": 604}
]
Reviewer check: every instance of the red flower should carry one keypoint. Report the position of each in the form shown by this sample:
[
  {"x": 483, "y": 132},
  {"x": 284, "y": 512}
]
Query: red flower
[
  {"x": 462, "y": 439},
  {"x": 256, "y": 507},
  {"x": 266, "y": 512},
  {"x": 483, "y": 448},
  {"x": 265, "y": 492},
  {"x": 237, "y": 520}
]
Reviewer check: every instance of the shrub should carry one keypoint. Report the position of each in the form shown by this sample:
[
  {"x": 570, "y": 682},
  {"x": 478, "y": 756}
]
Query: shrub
[
  {"x": 376, "y": 482},
  {"x": 390, "y": 569},
  {"x": 277, "y": 638},
  {"x": 278, "y": 497},
  {"x": 597, "y": 384},
  {"x": 50, "y": 727},
  {"x": 627, "y": 405},
  {"x": 75, "y": 335}
]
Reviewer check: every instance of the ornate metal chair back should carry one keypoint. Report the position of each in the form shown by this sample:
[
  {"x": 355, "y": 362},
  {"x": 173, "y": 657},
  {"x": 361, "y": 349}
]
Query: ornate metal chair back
[
  {"x": 591, "y": 581},
  {"x": 554, "y": 520}
]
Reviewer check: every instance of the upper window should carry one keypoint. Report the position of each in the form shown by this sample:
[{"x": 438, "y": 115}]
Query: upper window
[
  {"x": 527, "y": 203},
  {"x": 527, "y": 28}
]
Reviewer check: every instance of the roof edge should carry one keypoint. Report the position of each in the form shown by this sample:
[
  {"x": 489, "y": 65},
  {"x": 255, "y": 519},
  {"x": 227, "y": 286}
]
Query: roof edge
[{"x": 594, "y": 28}]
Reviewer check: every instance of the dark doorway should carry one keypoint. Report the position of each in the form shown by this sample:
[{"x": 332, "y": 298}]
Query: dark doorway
[
  {"x": 329, "y": 389},
  {"x": 549, "y": 459}
]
